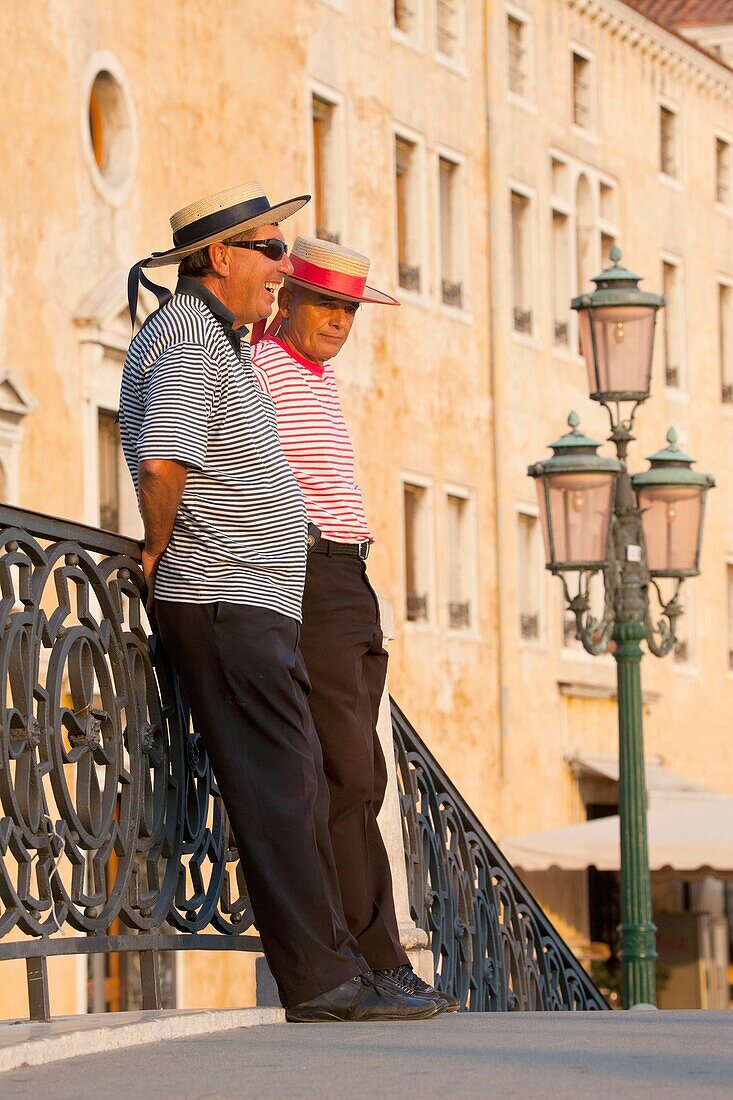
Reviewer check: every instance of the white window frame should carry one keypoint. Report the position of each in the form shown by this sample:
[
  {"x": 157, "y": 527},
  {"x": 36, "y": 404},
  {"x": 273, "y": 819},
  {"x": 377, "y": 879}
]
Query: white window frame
[
  {"x": 102, "y": 351},
  {"x": 419, "y": 239},
  {"x": 460, "y": 231},
  {"x": 471, "y": 556},
  {"x": 727, "y": 137},
  {"x": 676, "y": 182},
  {"x": 590, "y": 132},
  {"x": 16, "y": 403},
  {"x": 457, "y": 63},
  {"x": 526, "y": 102},
  {"x": 540, "y": 642},
  {"x": 113, "y": 193},
  {"x": 531, "y": 338},
  {"x": 421, "y": 481},
  {"x": 336, "y": 184},
  {"x": 681, "y": 391}
]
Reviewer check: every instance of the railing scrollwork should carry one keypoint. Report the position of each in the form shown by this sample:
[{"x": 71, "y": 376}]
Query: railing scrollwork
[{"x": 492, "y": 945}]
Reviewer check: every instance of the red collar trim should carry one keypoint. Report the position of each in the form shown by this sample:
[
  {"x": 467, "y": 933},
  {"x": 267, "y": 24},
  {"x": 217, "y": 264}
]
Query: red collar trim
[{"x": 314, "y": 368}]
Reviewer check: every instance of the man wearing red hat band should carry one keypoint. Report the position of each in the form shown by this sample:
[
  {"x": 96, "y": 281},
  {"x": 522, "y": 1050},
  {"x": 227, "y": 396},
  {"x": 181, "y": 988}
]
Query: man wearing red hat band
[{"x": 341, "y": 639}]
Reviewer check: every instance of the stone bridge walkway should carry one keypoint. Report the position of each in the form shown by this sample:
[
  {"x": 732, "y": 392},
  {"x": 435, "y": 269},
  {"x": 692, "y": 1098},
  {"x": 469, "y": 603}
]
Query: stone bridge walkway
[{"x": 599, "y": 1055}]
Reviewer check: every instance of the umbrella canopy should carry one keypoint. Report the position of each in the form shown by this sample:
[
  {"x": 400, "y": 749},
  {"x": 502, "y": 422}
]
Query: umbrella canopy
[{"x": 689, "y": 832}]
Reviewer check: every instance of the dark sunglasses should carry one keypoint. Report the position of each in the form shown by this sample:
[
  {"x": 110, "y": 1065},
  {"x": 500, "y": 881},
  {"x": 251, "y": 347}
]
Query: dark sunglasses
[{"x": 273, "y": 247}]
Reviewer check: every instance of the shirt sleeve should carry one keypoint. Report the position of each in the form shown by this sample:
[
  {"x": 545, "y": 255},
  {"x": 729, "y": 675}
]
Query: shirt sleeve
[{"x": 178, "y": 400}]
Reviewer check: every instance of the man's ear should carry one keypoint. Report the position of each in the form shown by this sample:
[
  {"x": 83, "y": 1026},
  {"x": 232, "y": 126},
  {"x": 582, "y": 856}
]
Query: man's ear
[
  {"x": 219, "y": 258},
  {"x": 284, "y": 300}
]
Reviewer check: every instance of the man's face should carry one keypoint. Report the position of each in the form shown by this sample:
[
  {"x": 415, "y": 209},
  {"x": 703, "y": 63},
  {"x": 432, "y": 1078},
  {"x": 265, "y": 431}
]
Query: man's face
[
  {"x": 317, "y": 326},
  {"x": 254, "y": 280}
]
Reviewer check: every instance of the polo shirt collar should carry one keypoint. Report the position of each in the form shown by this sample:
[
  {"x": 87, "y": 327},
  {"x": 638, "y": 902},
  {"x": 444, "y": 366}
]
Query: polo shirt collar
[{"x": 196, "y": 289}]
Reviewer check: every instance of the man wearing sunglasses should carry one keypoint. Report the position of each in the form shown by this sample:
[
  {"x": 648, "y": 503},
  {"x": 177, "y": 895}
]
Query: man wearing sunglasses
[
  {"x": 341, "y": 638},
  {"x": 224, "y": 561}
]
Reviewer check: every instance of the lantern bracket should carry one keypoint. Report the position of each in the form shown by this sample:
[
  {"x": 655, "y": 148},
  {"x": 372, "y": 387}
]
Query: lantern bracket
[
  {"x": 665, "y": 628},
  {"x": 594, "y": 634}
]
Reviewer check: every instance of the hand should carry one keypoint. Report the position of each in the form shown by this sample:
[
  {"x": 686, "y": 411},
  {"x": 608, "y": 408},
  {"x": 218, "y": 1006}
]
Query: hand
[{"x": 150, "y": 563}]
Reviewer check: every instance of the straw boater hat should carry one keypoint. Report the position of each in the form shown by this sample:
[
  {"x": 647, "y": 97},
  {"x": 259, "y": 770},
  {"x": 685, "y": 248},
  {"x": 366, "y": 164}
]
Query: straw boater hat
[
  {"x": 211, "y": 219},
  {"x": 332, "y": 270}
]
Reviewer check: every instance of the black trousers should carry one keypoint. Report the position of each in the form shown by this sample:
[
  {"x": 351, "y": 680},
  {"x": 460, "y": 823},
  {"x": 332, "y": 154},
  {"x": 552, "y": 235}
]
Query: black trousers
[
  {"x": 246, "y": 684},
  {"x": 341, "y": 642}
]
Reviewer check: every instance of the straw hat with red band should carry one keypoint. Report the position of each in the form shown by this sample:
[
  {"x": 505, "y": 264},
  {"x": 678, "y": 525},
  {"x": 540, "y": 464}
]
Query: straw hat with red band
[
  {"x": 212, "y": 219},
  {"x": 335, "y": 271}
]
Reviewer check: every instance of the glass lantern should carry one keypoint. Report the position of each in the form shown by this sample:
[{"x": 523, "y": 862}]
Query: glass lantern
[
  {"x": 575, "y": 490},
  {"x": 671, "y": 496},
  {"x": 616, "y": 323}
]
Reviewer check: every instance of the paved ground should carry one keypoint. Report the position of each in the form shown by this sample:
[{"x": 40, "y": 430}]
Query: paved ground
[{"x": 599, "y": 1055}]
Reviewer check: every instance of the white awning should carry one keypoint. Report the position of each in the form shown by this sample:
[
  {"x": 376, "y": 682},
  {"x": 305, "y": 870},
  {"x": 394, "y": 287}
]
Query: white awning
[
  {"x": 690, "y": 828},
  {"x": 659, "y": 780}
]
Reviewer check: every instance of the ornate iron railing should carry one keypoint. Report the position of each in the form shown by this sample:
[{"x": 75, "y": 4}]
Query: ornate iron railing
[
  {"x": 113, "y": 836},
  {"x": 493, "y": 946}
]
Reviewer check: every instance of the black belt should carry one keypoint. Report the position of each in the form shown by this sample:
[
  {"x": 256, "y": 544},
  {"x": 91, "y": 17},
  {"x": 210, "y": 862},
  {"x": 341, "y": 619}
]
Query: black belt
[{"x": 326, "y": 546}]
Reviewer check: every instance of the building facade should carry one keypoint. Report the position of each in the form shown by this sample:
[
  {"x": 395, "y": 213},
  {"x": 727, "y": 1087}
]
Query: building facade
[{"x": 486, "y": 156}]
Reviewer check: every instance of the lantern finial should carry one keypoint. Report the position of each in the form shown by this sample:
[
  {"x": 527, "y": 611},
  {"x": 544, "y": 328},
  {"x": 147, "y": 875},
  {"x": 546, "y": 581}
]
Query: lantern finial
[
  {"x": 573, "y": 421},
  {"x": 615, "y": 255},
  {"x": 672, "y": 437}
]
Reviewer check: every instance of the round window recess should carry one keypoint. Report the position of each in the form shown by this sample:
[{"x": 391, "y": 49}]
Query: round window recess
[{"x": 110, "y": 133}]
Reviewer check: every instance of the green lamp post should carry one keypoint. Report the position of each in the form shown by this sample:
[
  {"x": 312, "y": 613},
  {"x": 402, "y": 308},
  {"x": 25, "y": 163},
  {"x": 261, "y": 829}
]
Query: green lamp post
[{"x": 636, "y": 531}]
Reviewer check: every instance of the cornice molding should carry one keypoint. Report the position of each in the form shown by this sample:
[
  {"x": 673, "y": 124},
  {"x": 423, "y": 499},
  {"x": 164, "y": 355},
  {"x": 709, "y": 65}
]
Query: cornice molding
[{"x": 666, "y": 49}]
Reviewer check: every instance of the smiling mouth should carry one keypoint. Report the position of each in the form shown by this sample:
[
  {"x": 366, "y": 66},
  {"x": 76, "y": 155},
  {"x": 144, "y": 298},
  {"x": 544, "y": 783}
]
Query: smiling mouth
[{"x": 272, "y": 288}]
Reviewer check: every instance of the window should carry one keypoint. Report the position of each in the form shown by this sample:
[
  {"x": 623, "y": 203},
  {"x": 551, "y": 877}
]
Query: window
[
  {"x": 530, "y": 575},
  {"x": 668, "y": 142},
  {"x": 406, "y": 16},
  {"x": 109, "y": 138},
  {"x": 518, "y": 56},
  {"x": 417, "y": 550},
  {"x": 449, "y": 17},
  {"x": 407, "y": 214},
  {"x": 673, "y": 327},
  {"x": 103, "y": 326},
  {"x": 561, "y": 278},
  {"x": 111, "y": 465},
  {"x": 582, "y": 91},
  {"x": 323, "y": 168},
  {"x": 722, "y": 171},
  {"x": 521, "y": 295},
  {"x": 451, "y": 285},
  {"x": 608, "y": 196},
  {"x": 607, "y": 243},
  {"x": 729, "y": 581},
  {"x": 460, "y": 561},
  {"x": 725, "y": 341}
]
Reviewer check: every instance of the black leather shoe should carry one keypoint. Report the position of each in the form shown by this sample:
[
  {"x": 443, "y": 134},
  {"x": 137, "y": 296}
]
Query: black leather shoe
[
  {"x": 362, "y": 998},
  {"x": 404, "y": 977}
]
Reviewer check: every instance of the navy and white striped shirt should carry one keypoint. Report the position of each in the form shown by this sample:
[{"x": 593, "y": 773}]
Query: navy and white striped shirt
[{"x": 189, "y": 393}]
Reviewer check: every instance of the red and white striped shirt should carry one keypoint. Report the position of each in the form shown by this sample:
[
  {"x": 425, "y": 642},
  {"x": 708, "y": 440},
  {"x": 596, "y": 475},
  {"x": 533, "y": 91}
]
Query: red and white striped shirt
[{"x": 315, "y": 439}]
